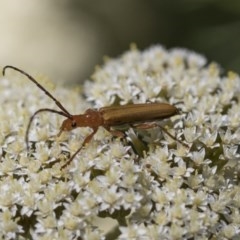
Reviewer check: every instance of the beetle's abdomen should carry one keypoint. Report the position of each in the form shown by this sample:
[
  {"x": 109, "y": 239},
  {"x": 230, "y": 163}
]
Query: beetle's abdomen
[{"x": 133, "y": 113}]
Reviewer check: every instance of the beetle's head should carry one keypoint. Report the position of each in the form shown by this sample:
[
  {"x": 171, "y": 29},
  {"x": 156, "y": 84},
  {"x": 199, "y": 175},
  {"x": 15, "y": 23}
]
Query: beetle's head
[{"x": 68, "y": 125}]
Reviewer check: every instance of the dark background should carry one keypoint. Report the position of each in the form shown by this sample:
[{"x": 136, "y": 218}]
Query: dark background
[{"x": 65, "y": 40}]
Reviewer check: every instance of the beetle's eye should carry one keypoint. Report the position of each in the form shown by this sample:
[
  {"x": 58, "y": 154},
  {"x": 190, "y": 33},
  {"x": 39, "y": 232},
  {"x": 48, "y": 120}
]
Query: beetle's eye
[{"x": 74, "y": 124}]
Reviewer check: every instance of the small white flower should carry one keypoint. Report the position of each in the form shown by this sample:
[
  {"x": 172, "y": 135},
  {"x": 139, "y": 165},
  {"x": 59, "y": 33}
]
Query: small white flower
[
  {"x": 209, "y": 138},
  {"x": 230, "y": 231},
  {"x": 111, "y": 199},
  {"x": 133, "y": 232}
]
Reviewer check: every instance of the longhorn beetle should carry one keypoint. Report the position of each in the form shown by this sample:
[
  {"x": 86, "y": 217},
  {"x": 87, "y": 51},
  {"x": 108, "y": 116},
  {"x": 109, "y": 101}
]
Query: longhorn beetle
[{"x": 107, "y": 117}]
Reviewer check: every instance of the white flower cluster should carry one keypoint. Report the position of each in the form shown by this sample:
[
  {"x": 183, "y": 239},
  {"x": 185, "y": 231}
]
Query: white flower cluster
[{"x": 153, "y": 186}]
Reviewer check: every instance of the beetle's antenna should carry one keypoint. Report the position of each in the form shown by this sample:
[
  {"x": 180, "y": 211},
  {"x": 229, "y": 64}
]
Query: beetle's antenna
[
  {"x": 34, "y": 115},
  {"x": 67, "y": 114}
]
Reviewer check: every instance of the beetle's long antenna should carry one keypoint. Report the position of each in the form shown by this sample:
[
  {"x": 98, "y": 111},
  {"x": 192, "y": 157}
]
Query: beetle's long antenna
[
  {"x": 67, "y": 114},
  {"x": 34, "y": 115}
]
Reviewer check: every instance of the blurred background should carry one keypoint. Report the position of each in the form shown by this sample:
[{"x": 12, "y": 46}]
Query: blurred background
[{"x": 66, "y": 39}]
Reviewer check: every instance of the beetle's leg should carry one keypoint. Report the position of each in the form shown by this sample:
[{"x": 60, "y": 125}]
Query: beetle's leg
[
  {"x": 173, "y": 137},
  {"x": 145, "y": 125},
  {"x": 86, "y": 140},
  {"x": 115, "y": 133},
  {"x": 152, "y": 125}
]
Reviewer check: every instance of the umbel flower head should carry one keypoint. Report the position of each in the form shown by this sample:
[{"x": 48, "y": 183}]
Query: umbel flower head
[{"x": 150, "y": 186}]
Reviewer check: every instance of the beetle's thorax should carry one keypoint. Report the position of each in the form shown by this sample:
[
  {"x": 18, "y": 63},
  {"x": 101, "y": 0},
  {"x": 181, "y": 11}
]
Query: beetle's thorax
[{"x": 91, "y": 118}]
